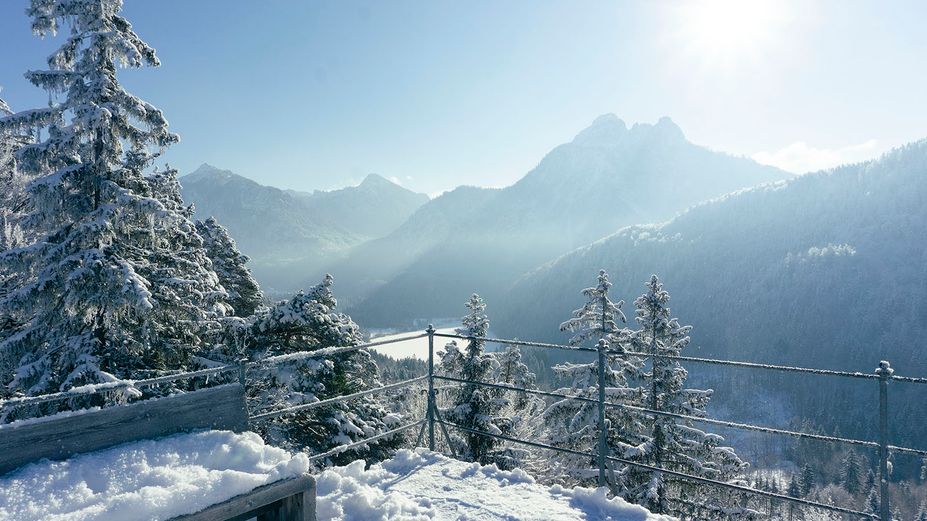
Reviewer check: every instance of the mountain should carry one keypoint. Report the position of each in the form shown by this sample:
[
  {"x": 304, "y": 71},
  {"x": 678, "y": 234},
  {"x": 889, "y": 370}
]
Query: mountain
[
  {"x": 471, "y": 239},
  {"x": 823, "y": 270},
  {"x": 372, "y": 209},
  {"x": 288, "y": 234}
]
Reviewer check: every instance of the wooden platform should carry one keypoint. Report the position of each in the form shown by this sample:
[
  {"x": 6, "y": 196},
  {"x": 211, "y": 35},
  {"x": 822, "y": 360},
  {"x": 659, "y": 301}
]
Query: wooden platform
[{"x": 220, "y": 408}]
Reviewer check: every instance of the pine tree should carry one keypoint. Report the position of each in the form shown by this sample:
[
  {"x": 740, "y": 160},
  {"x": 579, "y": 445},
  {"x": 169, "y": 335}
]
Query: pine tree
[
  {"x": 673, "y": 444},
  {"x": 517, "y": 408},
  {"x": 851, "y": 474},
  {"x": 514, "y": 372},
  {"x": 117, "y": 285},
  {"x": 873, "y": 502},
  {"x": 870, "y": 479},
  {"x": 13, "y": 200},
  {"x": 808, "y": 479},
  {"x": 574, "y": 424},
  {"x": 794, "y": 489},
  {"x": 922, "y": 512},
  {"x": 309, "y": 322},
  {"x": 476, "y": 407},
  {"x": 230, "y": 265}
]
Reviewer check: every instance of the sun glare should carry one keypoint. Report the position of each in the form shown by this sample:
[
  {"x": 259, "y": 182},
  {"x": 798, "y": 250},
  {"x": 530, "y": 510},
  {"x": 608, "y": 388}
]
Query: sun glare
[{"x": 727, "y": 30}]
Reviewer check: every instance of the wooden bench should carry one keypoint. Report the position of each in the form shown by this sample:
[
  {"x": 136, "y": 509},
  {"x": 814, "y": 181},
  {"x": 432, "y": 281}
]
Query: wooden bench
[{"x": 221, "y": 408}]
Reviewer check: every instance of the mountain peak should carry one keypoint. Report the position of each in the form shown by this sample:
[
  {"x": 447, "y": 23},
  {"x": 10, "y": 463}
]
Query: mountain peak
[
  {"x": 667, "y": 127},
  {"x": 373, "y": 180},
  {"x": 606, "y": 129},
  {"x": 208, "y": 171}
]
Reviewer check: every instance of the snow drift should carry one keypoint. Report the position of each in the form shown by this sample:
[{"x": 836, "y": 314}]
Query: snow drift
[
  {"x": 146, "y": 480},
  {"x": 423, "y": 485}
]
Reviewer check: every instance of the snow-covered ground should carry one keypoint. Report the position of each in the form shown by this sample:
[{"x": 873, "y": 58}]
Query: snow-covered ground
[
  {"x": 146, "y": 480},
  {"x": 182, "y": 474},
  {"x": 422, "y": 485},
  {"x": 417, "y": 348}
]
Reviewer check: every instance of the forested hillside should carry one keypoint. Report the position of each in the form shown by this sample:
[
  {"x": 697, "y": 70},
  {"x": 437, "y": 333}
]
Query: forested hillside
[{"x": 823, "y": 270}]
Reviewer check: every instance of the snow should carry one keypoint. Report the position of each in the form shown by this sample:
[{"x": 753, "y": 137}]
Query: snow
[
  {"x": 423, "y": 485},
  {"x": 146, "y": 480}
]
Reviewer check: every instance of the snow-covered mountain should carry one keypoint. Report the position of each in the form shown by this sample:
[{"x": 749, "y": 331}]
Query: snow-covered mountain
[
  {"x": 474, "y": 239},
  {"x": 288, "y": 234}
]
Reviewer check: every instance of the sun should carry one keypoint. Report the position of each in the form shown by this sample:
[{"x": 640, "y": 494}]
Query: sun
[{"x": 728, "y": 30}]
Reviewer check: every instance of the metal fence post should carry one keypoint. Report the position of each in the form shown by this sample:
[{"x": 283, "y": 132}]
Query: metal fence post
[
  {"x": 885, "y": 372},
  {"x": 431, "y": 387},
  {"x": 243, "y": 380},
  {"x": 603, "y": 428},
  {"x": 242, "y": 368}
]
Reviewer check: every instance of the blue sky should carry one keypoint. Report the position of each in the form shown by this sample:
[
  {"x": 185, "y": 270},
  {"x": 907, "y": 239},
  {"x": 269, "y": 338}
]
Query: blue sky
[{"x": 315, "y": 95}]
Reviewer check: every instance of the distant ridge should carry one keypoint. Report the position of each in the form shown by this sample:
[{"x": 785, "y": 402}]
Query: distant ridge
[{"x": 288, "y": 234}]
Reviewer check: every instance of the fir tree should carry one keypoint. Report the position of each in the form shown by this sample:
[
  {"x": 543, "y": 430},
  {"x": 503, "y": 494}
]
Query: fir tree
[
  {"x": 808, "y": 479},
  {"x": 873, "y": 502},
  {"x": 851, "y": 474},
  {"x": 794, "y": 489},
  {"x": 672, "y": 444},
  {"x": 309, "y": 322},
  {"x": 475, "y": 407},
  {"x": 230, "y": 265},
  {"x": 514, "y": 372},
  {"x": 922, "y": 512},
  {"x": 13, "y": 182},
  {"x": 870, "y": 479},
  {"x": 574, "y": 424},
  {"x": 118, "y": 284},
  {"x": 517, "y": 408}
]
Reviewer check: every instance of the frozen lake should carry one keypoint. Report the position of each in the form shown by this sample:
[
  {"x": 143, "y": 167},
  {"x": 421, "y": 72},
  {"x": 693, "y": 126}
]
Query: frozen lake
[{"x": 418, "y": 347}]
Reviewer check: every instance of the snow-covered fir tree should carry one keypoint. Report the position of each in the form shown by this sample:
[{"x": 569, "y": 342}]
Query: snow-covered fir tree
[
  {"x": 13, "y": 203},
  {"x": 513, "y": 371},
  {"x": 574, "y": 424},
  {"x": 13, "y": 200},
  {"x": 117, "y": 284},
  {"x": 230, "y": 264},
  {"x": 873, "y": 502},
  {"x": 309, "y": 321},
  {"x": 851, "y": 475},
  {"x": 672, "y": 443},
  {"x": 517, "y": 407},
  {"x": 474, "y": 406},
  {"x": 807, "y": 479}
]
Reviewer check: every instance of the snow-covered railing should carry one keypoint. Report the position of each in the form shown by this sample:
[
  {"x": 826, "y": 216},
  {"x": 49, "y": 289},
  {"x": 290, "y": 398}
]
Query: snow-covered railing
[
  {"x": 90, "y": 389},
  {"x": 883, "y": 375}
]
